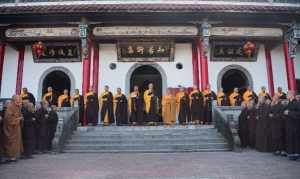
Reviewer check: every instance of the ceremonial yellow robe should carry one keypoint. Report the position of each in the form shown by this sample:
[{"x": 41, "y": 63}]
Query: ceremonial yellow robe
[{"x": 169, "y": 109}]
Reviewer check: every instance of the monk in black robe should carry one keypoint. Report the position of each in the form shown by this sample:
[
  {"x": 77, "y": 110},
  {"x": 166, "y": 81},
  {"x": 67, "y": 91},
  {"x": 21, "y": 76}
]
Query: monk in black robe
[
  {"x": 249, "y": 95},
  {"x": 136, "y": 107},
  {"x": 64, "y": 100},
  {"x": 50, "y": 97},
  {"x": 152, "y": 106},
  {"x": 91, "y": 107},
  {"x": 183, "y": 107},
  {"x": 243, "y": 126},
  {"x": 275, "y": 116},
  {"x": 251, "y": 118},
  {"x": 52, "y": 125},
  {"x": 78, "y": 102},
  {"x": 28, "y": 130},
  {"x": 121, "y": 108},
  {"x": 209, "y": 97},
  {"x": 264, "y": 93},
  {"x": 27, "y": 96},
  {"x": 2, "y": 151},
  {"x": 42, "y": 127},
  {"x": 197, "y": 106},
  {"x": 235, "y": 98},
  {"x": 107, "y": 107},
  {"x": 262, "y": 127},
  {"x": 292, "y": 118}
]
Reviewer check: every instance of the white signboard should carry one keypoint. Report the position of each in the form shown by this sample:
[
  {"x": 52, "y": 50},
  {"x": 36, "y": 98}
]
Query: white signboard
[
  {"x": 42, "y": 32},
  {"x": 146, "y": 31},
  {"x": 246, "y": 32}
]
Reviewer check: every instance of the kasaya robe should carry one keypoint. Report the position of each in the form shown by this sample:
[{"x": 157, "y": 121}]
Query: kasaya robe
[
  {"x": 183, "y": 107},
  {"x": 152, "y": 107},
  {"x": 222, "y": 99},
  {"x": 136, "y": 108},
  {"x": 121, "y": 109},
  {"x": 77, "y": 101},
  {"x": 92, "y": 107},
  {"x": 292, "y": 127},
  {"x": 277, "y": 136},
  {"x": 28, "y": 132},
  {"x": 235, "y": 99},
  {"x": 197, "y": 106},
  {"x": 266, "y": 95},
  {"x": 263, "y": 128},
  {"x": 209, "y": 96},
  {"x": 28, "y": 96},
  {"x": 251, "y": 118},
  {"x": 52, "y": 125},
  {"x": 51, "y": 98},
  {"x": 64, "y": 101},
  {"x": 248, "y": 96},
  {"x": 169, "y": 109},
  {"x": 12, "y": 131},
  {"x": 107, "y": 108},
  {"x": 281, "y": 95},
  {"x": 244, "y": 128},
  {"x": 42, "y": 129}
]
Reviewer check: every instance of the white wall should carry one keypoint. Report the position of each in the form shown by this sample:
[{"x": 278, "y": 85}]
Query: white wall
[
  {"x": 279, "y": 71},
  {"x": 117, "y": 78},
  {"x": 10, "y": 68}
]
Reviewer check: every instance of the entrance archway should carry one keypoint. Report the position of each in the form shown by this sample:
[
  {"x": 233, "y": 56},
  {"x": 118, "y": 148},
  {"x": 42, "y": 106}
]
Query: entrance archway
[
  {"x": 144, "y": 75},
  {"x": 58, "y": 80},
  {"x": 234, "y": 76}
]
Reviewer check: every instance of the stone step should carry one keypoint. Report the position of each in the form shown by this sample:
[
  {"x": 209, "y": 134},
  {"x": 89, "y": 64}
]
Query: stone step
[{"x": 160, "y": 132}]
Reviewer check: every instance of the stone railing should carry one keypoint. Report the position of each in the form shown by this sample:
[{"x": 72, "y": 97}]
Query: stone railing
[
  {"x": 226, "y": 119},
  {"x": 67, "y": 123}
]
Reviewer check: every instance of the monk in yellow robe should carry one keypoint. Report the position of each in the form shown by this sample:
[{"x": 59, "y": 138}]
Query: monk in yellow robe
[
  {"x": 169, "y": 108},
  {"x": 91, "y": 105},
  {"x": 235, "y": 99},
  {"x": 50, "y": 97},
  {"x": 222, "y": 98},
  {"x": 249, "y": 95},
  {"x": 64, "y": 99},
  {"x": 281, "y": 94},
  {"x": 264, "y": 94},
  {"x": 106, "y": 107},
  {"x": 136, "y": 107},
  {"x": 197, "y": 106},
  {"x": 12, "y": 129},
  {"x": 151, "y": 106},
  {"x": 183, "y": 106},
  {"x": 209, "y": 96}
]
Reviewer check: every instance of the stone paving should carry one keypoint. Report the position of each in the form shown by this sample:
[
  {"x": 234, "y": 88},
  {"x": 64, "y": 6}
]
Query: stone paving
[{"x": 204, "y": 165}]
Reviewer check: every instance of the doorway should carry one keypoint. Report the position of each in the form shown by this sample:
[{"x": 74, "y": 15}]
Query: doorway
[
  {"x": 234, "y": 78},
  {"x": 58, "y": 80}
]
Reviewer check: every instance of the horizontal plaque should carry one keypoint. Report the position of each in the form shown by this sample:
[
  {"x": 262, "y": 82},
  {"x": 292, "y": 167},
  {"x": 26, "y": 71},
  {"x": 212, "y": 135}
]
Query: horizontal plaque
[
  {"x": 42, "y": 32},
  {"x": 145, "y": 51},
  {"x": 58, "y": 53},
  {"x": 146, "y": 31},
  {"x": 232, "y": 51},
  {"x": 246, "y": 32}
]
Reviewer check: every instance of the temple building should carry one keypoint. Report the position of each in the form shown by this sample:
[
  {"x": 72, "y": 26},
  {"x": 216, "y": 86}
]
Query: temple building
[{"x": 78, "y": 44}]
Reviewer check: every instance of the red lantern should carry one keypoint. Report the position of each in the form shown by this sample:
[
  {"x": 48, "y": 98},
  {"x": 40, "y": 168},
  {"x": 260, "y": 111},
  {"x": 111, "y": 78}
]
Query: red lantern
[
  {"x": 38, "y": 49},
  {"x": 249, "y": 48}
]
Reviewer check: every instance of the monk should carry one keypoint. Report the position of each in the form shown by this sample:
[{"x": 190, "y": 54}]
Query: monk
[
  {"x": 243, "y": 126},
  {"x": 28, "y": 130},
  {"x": 264, "y": 94},
  {"x": 12, "y": 129},
  {"x": 50, "y": 97},
  {"x": 52, "y": 125},
  {"x": 280, "y": 93},
  {"x": 292, "y": 117},
  {"x": 169, "y": 108},
  {"x": 222, "y": 98},
  {"x": 42, "y": 127},
  {"x": 78, "y": 102},
  {"x": 249, "y": 95},
  {"x": 64, "y": 99},
  {"x": 197, "y": 106},
  {"x": 121, "y": 108},
  {"x": 27, "y": 96},
  {"x": 251, "y": 118},
  {"x": 136, "y": 107},
  {"x": 2, "y": 112},
  {"x": 91, "y": 104},
  {"x": 235, "y": 99},
  {"x": 183, "y": 106},
  {"x": 209, "y": 96},
  {"x": 106, "y": 107},
  {"x": 152, "y": 106}
]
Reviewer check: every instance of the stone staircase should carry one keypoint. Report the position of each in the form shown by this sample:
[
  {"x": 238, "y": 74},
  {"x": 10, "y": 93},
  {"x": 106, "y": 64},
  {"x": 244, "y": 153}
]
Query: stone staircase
[{"x": 146, "y": 139}]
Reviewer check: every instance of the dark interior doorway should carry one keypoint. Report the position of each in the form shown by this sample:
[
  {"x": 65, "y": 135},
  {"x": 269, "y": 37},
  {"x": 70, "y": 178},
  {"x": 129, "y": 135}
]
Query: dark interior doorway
[
  {"x": 144, "y": 75},
  {"x": 234, "y": 78},
  {"x": 58, "y": 80}
]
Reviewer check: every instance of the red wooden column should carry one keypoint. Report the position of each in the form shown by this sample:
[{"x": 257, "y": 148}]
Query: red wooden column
[
  {"x": 203, "y": 64},
  {"x": 20, "y": 70},
  {"x": 269, "y": 70},
  {"x": 2, "y": 54},
  {"x": 195, "y": 66},
  {"x": 96, "y": 68},
  {"x": 290, "y": 69}
]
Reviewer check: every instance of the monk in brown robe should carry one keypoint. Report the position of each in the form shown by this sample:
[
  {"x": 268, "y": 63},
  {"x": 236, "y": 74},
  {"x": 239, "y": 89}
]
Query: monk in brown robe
[
  {"x": 78, "y": 102},
  {"x": 209, "y": 97},
  {"x": 91, "y": 105},
  {"x": 280, "y": 93},
  {"x": 121, "y": 108},
  {"x": 12, "y": 129},
  {"x": 64, "y": 100},
  {"x": 136, "y": 107},
  {"x": 169, "y": 108},
  {"x": 243, "y": 126},
  {"x": 183, "y": 106},
  {"x": 235, "y": 99},
  {"x": 27, "y": 96},
  {"x": 106, "y": 107},
  {"x": 222, "y": 98},
  {"x": 197, "y": 106},
  {"x": 50, "y": 97},
  {"x": 249, "y": 95}
]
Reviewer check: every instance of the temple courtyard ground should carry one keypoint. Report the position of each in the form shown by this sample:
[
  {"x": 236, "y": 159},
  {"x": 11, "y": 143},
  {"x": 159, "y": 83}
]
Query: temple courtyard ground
[{"x": 204, "y": 165}]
